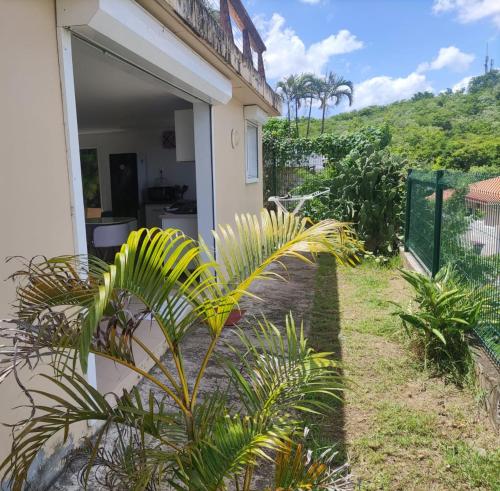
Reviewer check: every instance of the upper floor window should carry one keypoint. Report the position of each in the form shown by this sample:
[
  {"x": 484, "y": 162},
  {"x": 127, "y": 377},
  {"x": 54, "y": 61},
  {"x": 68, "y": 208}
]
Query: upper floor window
[{"x": 252, "y": 152}]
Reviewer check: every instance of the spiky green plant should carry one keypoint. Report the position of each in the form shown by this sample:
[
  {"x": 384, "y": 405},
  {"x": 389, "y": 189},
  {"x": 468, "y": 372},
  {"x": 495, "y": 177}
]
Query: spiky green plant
[
  {"x": 439, "y": 327},
  {"x": 69, "y": 307}
]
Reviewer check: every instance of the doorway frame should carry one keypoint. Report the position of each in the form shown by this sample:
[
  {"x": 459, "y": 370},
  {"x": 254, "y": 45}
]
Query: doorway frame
[{"x": 109, "y": 27}]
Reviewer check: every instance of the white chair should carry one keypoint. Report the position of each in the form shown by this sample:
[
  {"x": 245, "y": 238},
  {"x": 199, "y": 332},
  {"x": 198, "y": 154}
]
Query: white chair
[
  {"x": 108, "y": 239},
  {"x": 111, "y": 235}
]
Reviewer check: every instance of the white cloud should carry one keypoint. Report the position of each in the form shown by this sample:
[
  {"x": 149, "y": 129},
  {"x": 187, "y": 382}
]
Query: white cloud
[
  {"x": 311, "y": 2},
  {"x": 286, "y": 52},
  {"x": 470, "y": 10},
  {"x": 463, "y": 84},
  {"x": 450, "y": 57},
  {"x": 384, "y": 90}
]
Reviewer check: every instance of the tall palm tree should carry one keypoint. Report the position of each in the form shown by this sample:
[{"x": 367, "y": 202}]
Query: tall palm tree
[
  {"x": 293, "y": 89},
  {"x": 333, "y": 90},
  {"x": 69, "y": 307},
  {"x": 286, "y": 90},
  {"x": 300, "y": 92},
  {"x": 312, "y": 91}
]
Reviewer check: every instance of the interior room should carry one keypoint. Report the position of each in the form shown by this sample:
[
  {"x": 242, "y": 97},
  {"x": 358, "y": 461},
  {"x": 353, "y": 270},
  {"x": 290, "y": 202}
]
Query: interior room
[{"x": 137, "y": 151}]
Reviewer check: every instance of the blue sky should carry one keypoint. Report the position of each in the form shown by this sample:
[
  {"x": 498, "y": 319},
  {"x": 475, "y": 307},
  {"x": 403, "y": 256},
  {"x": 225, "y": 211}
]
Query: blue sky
[{"x": 390, "y": 49}]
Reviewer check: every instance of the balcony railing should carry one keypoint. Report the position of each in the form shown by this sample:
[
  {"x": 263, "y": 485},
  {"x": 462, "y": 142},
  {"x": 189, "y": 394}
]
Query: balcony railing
[{"x": 238, "y": 26}]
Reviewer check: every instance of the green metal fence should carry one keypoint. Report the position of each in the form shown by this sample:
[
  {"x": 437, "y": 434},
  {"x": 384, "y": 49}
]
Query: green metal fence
[{"x": 454, "y": 218}]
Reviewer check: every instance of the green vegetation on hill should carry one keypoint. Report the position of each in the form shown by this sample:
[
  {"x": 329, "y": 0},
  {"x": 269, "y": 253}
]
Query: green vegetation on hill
[{"x": 450, "y": 130}]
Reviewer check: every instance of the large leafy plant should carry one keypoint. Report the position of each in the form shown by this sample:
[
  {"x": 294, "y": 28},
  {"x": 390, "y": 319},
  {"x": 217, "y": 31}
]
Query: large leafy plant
[
  {"x": 367, "y": 189},
  {"x": 439, "y": 327},
  {"x": 69, "y": 307}
]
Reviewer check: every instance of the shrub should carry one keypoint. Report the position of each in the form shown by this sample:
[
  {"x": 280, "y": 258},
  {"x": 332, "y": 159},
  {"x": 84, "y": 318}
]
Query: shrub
[
  {"x": 367, "y": 189},
  {"x": 281, "y": 148},
  {"x": 438, "y": 329}
]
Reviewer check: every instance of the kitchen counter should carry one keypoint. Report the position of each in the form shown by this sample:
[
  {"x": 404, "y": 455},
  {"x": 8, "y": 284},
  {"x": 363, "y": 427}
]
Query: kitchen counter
[
  {"x": 173, "y": 215},
  {"x": 186, "y": 222}
]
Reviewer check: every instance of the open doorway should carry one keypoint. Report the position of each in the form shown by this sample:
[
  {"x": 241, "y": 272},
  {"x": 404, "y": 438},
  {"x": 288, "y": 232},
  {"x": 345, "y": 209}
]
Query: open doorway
[
  {"x": 140, "y": 141},
  {"x": 142, "y": 134}
]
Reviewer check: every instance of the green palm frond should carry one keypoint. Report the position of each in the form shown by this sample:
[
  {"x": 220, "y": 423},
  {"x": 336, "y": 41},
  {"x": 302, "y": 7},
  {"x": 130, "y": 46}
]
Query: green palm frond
[
  {"x": 279, "y": 373},
  {"x": 73, "y": 400},
  {"x": 244, "y": 254},
  {"x": 72, "y": 306},
  {"x": 234, "y": 443},
  {"x": 157, "y": 267},
  {"x": 214, "y": 406},
  {"x": 65, "y": 281}
]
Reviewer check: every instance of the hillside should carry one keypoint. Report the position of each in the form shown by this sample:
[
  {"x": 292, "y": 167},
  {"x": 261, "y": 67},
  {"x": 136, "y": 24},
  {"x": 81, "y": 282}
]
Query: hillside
[{"x": 450, "y": 130}]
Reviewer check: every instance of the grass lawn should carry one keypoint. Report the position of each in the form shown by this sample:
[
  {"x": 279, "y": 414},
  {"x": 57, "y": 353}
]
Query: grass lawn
[{"x": 400, "y": 428}]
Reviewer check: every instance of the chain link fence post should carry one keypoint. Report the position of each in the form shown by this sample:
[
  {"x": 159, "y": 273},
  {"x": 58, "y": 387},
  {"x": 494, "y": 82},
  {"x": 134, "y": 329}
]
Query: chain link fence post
[
  {"x": 438, "y": 219},
  {"x": 408, "y": 210}
]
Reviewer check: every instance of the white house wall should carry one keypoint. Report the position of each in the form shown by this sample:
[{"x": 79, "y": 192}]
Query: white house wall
[
  {"x": 35, "y": 205},
  {"x": 232, "y": 193}
]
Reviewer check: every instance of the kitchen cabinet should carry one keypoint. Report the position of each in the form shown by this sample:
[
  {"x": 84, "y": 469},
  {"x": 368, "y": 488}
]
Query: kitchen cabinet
[{"x": 184, "y": 135}]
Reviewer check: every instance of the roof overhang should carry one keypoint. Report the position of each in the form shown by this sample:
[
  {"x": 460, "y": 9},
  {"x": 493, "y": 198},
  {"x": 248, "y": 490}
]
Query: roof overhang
[
  {"x": 194, "y": 25},
  {"x": 128, "y": 31}
]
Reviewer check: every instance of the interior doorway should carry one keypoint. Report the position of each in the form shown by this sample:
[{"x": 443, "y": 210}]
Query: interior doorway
[{"x": 124, "y": 184}]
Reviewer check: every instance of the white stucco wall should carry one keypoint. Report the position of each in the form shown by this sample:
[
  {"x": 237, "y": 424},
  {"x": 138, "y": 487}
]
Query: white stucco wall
[
  {"x": 35, "y": 214},
  {"x": 232, "y": 193}
]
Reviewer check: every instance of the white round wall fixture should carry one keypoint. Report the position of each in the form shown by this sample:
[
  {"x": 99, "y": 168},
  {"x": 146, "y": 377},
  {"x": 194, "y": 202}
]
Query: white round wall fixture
[{"x": 235, "y": 138}]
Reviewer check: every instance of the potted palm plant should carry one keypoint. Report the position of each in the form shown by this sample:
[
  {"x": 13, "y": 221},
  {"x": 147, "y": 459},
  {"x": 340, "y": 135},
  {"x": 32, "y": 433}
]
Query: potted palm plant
[{"x": 175, "y": 438}]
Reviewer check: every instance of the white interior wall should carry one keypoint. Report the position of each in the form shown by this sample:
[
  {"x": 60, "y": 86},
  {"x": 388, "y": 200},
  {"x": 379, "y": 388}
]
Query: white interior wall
[{"x": 151, "y": 156}]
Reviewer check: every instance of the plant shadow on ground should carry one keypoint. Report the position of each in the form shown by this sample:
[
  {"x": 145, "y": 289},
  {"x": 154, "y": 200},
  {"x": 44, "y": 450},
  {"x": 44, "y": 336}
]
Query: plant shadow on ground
[
  {"x": 324, "y": 335},
  {"x": 400, "y": 428}
]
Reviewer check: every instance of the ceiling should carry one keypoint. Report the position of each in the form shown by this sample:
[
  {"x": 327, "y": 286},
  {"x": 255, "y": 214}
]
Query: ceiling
[{"x": 112, "y": 95}]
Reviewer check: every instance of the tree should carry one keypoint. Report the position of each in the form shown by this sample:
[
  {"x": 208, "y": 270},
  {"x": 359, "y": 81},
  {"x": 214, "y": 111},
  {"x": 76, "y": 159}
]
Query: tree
[
  {"x": 422, "y": 95},
  {"x": 333, "y": 90},
  {"x": 285, "y": 89},
  {"x": 69, "y": 307},
  {"x": 301, "y": 91},
  {"x": 312, "y": 90},
  {"x": 294, "y": 89},
  {"x": 487, "y": 81}
]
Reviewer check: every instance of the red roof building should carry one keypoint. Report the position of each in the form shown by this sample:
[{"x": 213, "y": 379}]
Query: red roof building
[{"x": 487, "y": 191}]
